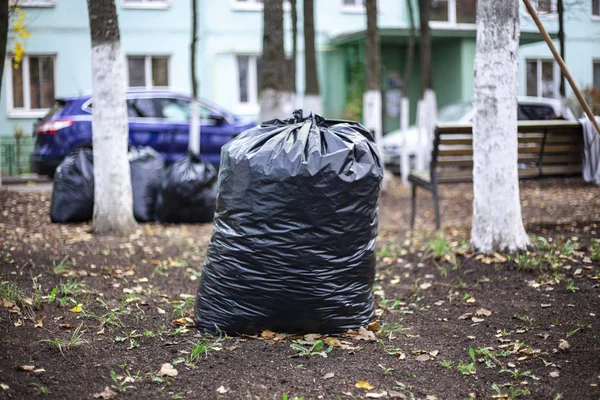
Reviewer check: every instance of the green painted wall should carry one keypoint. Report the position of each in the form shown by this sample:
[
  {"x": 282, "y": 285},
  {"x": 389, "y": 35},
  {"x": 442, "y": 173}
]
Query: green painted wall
[
  {"x": 332, "y": 82},
  {"x": 447, "y": 70},
  {"x": 468, "y": 65}
]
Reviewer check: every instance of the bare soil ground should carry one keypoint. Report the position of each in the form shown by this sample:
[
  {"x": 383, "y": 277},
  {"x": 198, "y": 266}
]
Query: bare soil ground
[{"x": 83, "y": 316}]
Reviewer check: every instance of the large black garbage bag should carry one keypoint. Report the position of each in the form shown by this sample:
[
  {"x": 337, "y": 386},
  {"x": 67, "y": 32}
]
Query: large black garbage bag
[
  {"x": 188, "y": 191},
  {"x": 146, "y": 171},
  {"x": 293, "y": 245},
  {"x": 73, "y": 188}
]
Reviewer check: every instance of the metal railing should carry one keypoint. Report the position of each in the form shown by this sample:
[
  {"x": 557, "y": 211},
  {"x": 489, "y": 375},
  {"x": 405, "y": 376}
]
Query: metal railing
[{"x": 14, "y": 154}]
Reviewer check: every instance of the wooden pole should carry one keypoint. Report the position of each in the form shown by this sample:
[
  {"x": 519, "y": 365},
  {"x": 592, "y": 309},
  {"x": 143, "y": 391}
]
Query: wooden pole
[{"x": 562, "y": 65}]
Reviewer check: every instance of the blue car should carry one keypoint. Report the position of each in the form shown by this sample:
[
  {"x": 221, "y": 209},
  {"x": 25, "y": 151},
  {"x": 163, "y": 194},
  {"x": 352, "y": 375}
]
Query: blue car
[{"x": 159, "y": 119}]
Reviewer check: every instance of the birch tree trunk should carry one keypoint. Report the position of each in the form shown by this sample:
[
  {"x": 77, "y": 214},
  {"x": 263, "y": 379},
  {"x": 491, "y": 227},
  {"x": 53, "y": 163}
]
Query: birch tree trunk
[
  {"x": 372, "y": 97},
  {"x": 272, "y": 90},
  {"x": 497, "y": 223},
  {"x": 4, "y": 17},
  {"x": 294, "y": 7},
  {"x": 312, "y": 96},
  {"x": 113, "y": 204},
  {"x": 194, "y": 134},
  {"x": 427, "y": 105}
]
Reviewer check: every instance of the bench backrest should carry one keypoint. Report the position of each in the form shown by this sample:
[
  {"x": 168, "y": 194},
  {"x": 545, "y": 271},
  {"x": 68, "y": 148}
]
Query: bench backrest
[{"x": 545, "y": 148}]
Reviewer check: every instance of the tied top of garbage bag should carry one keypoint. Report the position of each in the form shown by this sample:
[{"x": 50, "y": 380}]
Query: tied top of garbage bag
[
  {"x": 306, "y": 146},
  {"x": 293, "y": 245}
]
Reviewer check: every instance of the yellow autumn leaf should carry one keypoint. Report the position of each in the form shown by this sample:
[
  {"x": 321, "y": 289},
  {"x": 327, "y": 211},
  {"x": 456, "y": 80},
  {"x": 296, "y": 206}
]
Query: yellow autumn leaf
[
  {"x": 364, "y": 385},
  {"x": 77, "y": 308}
]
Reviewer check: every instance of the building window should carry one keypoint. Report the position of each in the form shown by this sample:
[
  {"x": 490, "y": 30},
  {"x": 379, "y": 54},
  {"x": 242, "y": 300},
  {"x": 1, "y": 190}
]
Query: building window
[
  {"x": 542, "y": 78},
  {"x": 546, "y": 6},
  {"x": 595, "y": 8},
  {"x": 148, "y": 71},
  {"x": 596, "y": 75},
  {"x": 146, "y": 3},
  {"x": 33, "y": 3},
  {"x": 354, "y": 3},
  {"x": 249, "y": 72},
  {"x": 255, "y": 5},
  {"x": 31, "y": 84},
  {"x": 454, "y": 11},
  {"x": 249, "y": 78}
]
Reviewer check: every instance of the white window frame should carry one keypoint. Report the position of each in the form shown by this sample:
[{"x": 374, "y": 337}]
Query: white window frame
[
  {"x": 251, "y": 106},
  {"x": 555, "y": 76},
  {"x": 25, "y": 111},
  {"x": 146, "y": 4},
  {"x": 148, "y": 70},
  {"x": 33, "y": 3},
  {"x": 357, "y": 8},
  {"x": 254, "y": 5},
  {"x": 451, "y": 23},
  {"x": 595, "y": 17}
]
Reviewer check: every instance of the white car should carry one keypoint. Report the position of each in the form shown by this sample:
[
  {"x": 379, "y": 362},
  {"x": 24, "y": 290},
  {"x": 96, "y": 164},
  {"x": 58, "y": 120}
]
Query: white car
[{"x": 529, "y": 108}]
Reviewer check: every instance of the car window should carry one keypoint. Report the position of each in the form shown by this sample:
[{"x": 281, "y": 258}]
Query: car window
[
  {"x": 533, "y": 112},
  {"x": 454, "y": 112},
  {"x": 174, "y": 109},
  {"x": 179, "y": 109},
  {"x": 141, "y": 108}
]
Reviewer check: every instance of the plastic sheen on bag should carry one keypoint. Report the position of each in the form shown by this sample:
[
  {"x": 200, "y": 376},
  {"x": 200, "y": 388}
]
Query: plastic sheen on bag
[
  {"x": 188, "y": 191},
  {"x": 73, "y": 188},
  {"x": 146, "y": 170},
  {"x": 293, "y": 245}
]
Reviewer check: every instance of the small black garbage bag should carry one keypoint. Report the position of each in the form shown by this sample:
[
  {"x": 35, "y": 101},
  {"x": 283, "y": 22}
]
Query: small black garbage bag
[
  {"x": 293, "y": 245},
  {"x": 146, "y": 171},
  {"x": 188, "y": 191},
  {"x": 73, "y": 188}
]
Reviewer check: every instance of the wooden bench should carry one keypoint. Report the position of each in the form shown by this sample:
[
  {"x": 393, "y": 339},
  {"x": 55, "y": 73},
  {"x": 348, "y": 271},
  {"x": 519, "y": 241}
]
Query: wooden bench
[{"x": 546, "y": 148}]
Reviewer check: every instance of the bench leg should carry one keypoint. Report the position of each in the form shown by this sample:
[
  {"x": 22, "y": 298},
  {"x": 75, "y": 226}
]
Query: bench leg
[
  {"x": 436, "y": 208},
  {"x": 413, "y": 206}
]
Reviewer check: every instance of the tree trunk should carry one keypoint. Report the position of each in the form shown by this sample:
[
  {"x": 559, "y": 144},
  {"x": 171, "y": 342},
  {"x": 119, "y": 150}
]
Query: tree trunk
[
  {"x": 294, "y": 5},
  {"x": 405, "y": 103},
  {"x": 561, "y": 40},
  {"x": 497, "y": 223},
  {"x": 194, "y": 134},
  {"x": 372, "y": 97},
  {"x": 411, "y": 47},
  {"x": 312, "y": 96},
  {"x": 113, "y": 204},
  {"x": 4, "y": 17},
  {"x": 3, "y": 41},
  {"x": 424, "y": 15},
  {"x": 272, "y": 96}
]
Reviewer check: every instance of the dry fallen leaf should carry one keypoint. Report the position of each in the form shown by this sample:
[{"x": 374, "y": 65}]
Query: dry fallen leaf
[
  {"x": 160, "y": 310},
  {"x": 364, "y": 385},
  {"x": 373, "y": 326},
  {"x": 184, "y": 322},
  {"x": 397, "y": 395},
  {"x": 222, "y": 389},
  {"x": 376, "y": 395},
  {"x": 423, "y": 357},
  {"x": 477, "y": 320},
  {"x": 364, "y": 334},
  {"x": 333, "y": 342},
  {"x": 328, "y": 375},
  {"x": 27, "y": 368},
  {"x": 106, "y": 394},
  {"x": 312, "y": 337},
  {"x": 267, "y": 334},
  {"x": 4, "y": 386},
  {"x": 563, "y": 345},
  {"x": 466, "y": 316},
  {"x": 77, "y": 308},
  {"x": 484, "y": 312},
  {"x": 554, "y": 374},
  {"x": 167, "y": 370},
  {"x": 425, "y": 285}
]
